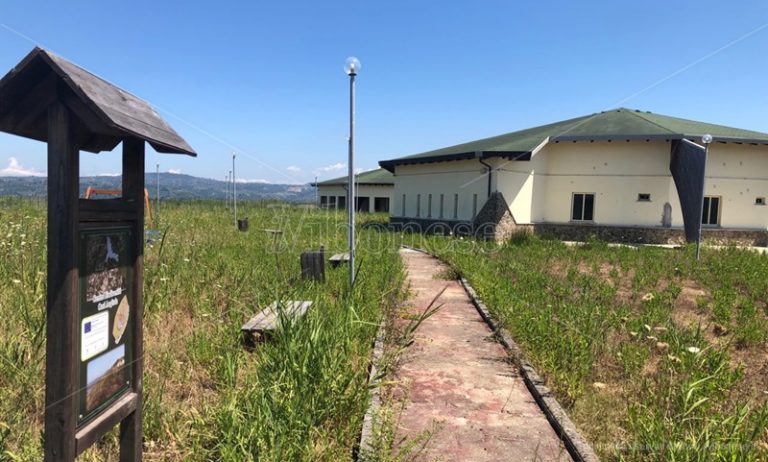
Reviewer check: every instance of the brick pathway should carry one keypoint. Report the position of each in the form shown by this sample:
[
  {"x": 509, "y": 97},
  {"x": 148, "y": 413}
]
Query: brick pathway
[{"x": 457, "y": 379}]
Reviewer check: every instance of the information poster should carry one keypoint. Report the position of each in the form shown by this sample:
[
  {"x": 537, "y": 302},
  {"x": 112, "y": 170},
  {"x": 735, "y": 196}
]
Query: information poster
[{"x": 106, "y": 318}]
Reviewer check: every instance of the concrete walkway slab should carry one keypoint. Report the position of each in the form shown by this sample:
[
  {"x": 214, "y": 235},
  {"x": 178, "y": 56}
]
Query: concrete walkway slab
[{"x": 457, "y": 379}]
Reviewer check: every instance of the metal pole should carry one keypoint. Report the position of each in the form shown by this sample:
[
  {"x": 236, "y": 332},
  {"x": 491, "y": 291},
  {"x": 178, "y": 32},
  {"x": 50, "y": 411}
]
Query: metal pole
[
  {"x": 317, "y": 193},
  {"x": 229, "y": 189},
  {"x": 157, "y": 197},
  {"x": 351, "y": 180},
  {"x": 703, "y": 183},
  {"x": 234, "y": 189}
]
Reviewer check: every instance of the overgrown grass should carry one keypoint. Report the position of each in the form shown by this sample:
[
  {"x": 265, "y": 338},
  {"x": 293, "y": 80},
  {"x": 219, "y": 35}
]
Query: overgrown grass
[
  {"x": 656, "y": 356},
  {"x": 301, "y": 396}
]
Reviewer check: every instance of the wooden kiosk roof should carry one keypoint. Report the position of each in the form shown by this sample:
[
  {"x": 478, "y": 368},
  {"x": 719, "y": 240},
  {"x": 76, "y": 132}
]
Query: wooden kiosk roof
[{"x": 108, "y": 112}]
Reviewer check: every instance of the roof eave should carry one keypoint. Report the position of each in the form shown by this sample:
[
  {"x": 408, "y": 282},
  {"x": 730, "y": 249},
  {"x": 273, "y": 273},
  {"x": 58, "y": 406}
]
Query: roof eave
[
  {"x": 630, "y": 137},
  {"x": 390, "y": 164}
]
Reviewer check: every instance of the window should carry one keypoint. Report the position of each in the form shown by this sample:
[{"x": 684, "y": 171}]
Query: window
[
  {"x": 323, "y": 202},
  {"x": 442, "y": 196},
  {"x": 418, "y": 205},
  {"x": 363, "y": 204},
  {"x": 474, "y": 205},
  {"x": 341, "y": 202},
  {"x": 760, "y": 201},
  {"x": 711, "y": 215},
  {"x": 455, "y": 206},
  {"x": 381, "y": 204},
  {"x": 583, "y": 207},
  {"x": 644, "y": 197},
  {"x": 331, "y": 202},
  {"x": 402, "y": 209},
  {"x": 429, "y": 206}
]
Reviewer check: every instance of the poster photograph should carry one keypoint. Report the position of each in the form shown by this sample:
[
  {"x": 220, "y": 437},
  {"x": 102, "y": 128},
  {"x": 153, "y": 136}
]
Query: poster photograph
[
  {"x": 105, "y": 278},
  {"x": 105, "y": 377},
  {"x": 105, "y": 317}
]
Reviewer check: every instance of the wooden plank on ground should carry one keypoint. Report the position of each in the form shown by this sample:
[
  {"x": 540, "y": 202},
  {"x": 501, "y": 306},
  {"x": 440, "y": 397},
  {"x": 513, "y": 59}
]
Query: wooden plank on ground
[
  {"x": 338, "y": 259},
  {"x": 268, "y": 320}
]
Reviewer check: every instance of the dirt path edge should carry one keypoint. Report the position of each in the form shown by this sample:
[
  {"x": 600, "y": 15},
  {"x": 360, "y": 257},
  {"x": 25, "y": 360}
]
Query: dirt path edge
[
  {"x": 366, "y": 435},
  {"x": 577, "y": 446}
]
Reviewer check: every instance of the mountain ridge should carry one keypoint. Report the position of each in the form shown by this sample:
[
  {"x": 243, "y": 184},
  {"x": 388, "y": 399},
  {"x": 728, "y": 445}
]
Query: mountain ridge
[{"x": 173, "y": 186}]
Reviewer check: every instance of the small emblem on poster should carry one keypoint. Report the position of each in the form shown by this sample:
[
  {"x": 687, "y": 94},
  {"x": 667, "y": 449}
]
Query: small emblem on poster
[{"x": 121, "y": 320}]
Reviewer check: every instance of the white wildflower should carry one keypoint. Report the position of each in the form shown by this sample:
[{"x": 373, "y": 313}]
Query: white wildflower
[
  {"x": 648, "y": 297},
  {"x": 693, "y": 349},
  {"x": 16, "y": 281}
]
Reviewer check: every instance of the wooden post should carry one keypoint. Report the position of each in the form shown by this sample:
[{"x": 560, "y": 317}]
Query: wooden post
[
  {"x": 61, "y": 352},
  {"x": 313, "y": 265},
  {"x": 133, "y": 193}
]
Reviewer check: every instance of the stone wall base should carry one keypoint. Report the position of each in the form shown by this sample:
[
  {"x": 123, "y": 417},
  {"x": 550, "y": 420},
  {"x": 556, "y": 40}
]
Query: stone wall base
[
  {"x": 431, "y": 226},
  {"x": 650, "y": 235},
  {"x": 578, "y": 232}
]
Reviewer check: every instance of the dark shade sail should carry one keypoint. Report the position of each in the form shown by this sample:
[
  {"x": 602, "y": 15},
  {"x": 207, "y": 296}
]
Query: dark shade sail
[{"x": 687, "y": 167}]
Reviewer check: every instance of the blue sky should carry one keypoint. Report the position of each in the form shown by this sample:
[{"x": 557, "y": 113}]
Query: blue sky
[{"x": 265, "y": 79}]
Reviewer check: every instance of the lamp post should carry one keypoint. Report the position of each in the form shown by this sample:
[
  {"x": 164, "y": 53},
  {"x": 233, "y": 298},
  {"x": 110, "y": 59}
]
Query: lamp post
[
  {"x": 157, "y": 196},
  {"x": 317, "y": 194},
  {"x": 706, "y": 140},
  {"x": 234, "y": 189},
  {"x": 351, "y": 67}
]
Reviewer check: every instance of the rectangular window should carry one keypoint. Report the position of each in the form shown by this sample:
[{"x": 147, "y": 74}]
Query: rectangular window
[
  {"x": 455, "y": 206},
  {"x": 332, "y": 202},
  {"x": 341, "y": 202},
  {"x": 323, "y": 202},
  {"x": 711, "y": 215},
  {"x": 418, "y": 205},
  {"x": 583, "y": 207},
  {"x": 363, "y": 204},
  {"x": 760, "y": 201},
  {"x": 644, "y": 197},
  {"x": 442, "y": 197},
  {"x": 429, "y": 206},
  {"x": 474, "y": 205},
  {"x": 381, "y": 204},
  {"x": 402, "y": 209}
]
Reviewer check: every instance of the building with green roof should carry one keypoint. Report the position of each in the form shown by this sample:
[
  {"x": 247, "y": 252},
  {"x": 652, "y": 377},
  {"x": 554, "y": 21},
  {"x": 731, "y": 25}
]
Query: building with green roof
[
  {"x": 373, "y": 191},
  {"x": 623, "y": 174}
]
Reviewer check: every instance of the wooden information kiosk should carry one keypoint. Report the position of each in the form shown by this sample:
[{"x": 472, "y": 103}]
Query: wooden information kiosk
[{"x": 95, "y": 248}]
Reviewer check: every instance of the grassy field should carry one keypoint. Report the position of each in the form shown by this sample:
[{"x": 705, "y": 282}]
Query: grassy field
[
  {"x": 300, "y": 397},
  {"x": 656, "y": 356}
]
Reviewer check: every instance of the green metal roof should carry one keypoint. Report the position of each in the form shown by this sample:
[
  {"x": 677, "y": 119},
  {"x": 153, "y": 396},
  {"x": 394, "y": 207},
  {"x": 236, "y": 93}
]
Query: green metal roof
[
  {"x": 373, "y": 177},
  {"x": 617, "y": 124}
]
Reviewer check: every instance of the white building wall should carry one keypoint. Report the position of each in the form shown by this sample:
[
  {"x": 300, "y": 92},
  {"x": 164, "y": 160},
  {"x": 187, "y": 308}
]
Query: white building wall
[
  {"x": 466, "y": 178},
  {"x": 541, "y": 190},
  {"x": 522, "y": 184},
  {"x": 739, "y": 174},
  {"x": 616, "y": 172}
]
